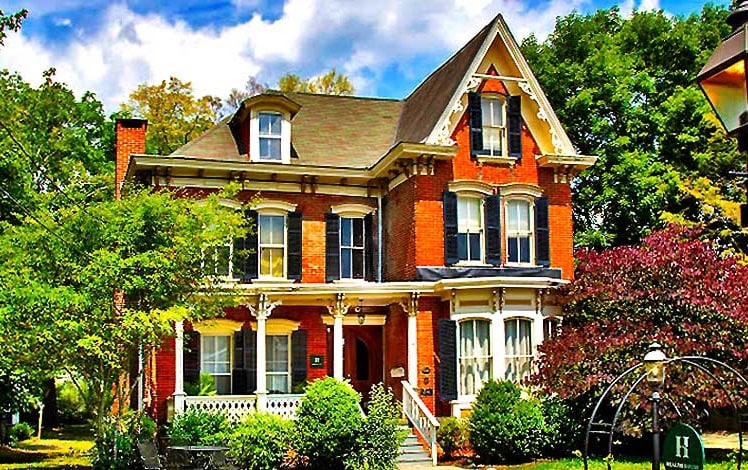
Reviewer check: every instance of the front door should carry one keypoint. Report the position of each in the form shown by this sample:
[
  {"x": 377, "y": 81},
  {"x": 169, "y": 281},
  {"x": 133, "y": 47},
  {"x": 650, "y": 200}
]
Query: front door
[{"x": 362, "y": 357}]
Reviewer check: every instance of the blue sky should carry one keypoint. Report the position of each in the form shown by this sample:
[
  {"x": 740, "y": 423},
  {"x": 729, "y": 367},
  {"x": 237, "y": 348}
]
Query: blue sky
[{"x": 386, "y": 46}]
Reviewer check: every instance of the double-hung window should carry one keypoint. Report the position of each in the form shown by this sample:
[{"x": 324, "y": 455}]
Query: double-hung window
[
  {"x": 352, "y": 248},
  {"x": 272, "y": 245},
  {"x": 494, "y": 127},
  {"x": 470, "y": 229},
  {"x": 270, "y": 135},
  {"x": 474, "y": 355},
  {"x": 519, "y": 231},
  {"x": 277, "y": 363},
  {"x": 215, "y": 359},
  {"x": 518, "y": 348}
]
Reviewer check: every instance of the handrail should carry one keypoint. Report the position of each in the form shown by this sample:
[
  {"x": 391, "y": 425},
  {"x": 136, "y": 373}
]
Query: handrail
[{"x": 420, "y": 416}]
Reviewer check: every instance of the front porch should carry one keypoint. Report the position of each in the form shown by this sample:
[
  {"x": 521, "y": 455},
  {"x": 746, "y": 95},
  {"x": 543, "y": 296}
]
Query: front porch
[{"x": 235, "y": 407}]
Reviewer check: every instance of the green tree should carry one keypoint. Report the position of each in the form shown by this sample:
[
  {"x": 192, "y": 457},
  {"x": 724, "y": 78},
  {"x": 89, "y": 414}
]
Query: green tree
[
  {"x": 624, "y": 89},
  {"x": 11, "y": 22},
  {"x": 175, "y": 116},
  {"x": 331, "y": 83},
  {"x": 85, "y": 285},
  {"x": 236, "y": 96}
]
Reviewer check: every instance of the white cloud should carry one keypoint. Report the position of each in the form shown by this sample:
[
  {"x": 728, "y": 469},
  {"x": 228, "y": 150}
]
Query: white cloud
[{"x": 310, "y": 36}]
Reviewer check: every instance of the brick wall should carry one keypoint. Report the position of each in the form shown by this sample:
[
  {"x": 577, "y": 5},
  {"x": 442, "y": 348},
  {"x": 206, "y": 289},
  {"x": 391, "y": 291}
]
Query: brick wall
[
  {"x": 395, "y": 338},
  {"x": 130, "y": 139},
  {"x": 400, "y": 233}
]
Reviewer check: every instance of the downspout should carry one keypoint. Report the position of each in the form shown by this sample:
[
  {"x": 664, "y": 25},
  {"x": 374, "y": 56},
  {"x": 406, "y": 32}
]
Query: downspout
[{"x": 379, "y": 237}]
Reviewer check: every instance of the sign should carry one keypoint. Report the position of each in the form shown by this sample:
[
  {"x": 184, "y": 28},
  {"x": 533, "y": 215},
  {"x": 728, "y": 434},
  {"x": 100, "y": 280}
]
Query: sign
[
  {"x": 683, "y": 449},
  {"x": 317, "y": 362}
]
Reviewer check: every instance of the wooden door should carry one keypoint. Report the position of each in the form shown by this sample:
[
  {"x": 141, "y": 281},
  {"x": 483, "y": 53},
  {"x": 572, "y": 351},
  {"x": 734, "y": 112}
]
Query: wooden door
[{"x": 362, "y": 357}]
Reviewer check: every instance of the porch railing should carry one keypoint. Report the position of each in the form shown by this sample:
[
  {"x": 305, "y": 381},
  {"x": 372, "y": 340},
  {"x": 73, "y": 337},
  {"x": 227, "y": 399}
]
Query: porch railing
[
  {"x": 420, "y": 416},
  {"x": 284, "y": 405},
  {"x": 235, "y": 407}
]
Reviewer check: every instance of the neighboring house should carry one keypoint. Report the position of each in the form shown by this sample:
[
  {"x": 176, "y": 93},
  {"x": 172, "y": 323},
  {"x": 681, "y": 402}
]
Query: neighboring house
[{"x": 415, "y": 240}]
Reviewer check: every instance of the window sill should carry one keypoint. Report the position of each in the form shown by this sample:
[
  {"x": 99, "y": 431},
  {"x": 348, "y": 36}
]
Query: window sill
[
  {"x": 500, "y": 160},
  {"x": 273, "y": 280},
  {"x": 522, "y": 265},
  {"x": 351, "y": 281},
  {"x": 472, "y": 264}
]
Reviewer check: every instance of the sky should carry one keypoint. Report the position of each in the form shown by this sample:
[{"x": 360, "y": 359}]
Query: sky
[{"x": 386, "y": 47}]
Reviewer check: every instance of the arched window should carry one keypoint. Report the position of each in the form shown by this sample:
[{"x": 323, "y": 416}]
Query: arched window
[
  {"x": 518, "y": 348},
  {"x": 474, "y": 355}
]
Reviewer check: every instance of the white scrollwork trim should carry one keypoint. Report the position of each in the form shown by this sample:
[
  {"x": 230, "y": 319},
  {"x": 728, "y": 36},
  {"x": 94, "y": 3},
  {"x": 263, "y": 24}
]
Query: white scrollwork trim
[
  {"x": 472, "y": 84},
  {"x": 525, "y": 87}
]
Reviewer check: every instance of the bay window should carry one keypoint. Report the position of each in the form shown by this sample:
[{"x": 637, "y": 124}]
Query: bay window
[
  {"x": 518, "y": 348},
  {"x": 474, "y": 355}
]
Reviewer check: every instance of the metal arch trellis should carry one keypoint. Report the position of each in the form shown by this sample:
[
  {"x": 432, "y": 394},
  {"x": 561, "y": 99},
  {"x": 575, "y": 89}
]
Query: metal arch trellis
[{"x": 688, "y": 360}]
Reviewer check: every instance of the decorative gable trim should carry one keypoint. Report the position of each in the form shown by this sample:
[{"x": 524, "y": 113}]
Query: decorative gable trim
[{"x": 441, "y": 134}]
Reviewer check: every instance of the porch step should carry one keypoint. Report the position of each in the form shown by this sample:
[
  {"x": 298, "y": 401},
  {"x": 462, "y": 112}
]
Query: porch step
[{"x": 412, "y": 453}]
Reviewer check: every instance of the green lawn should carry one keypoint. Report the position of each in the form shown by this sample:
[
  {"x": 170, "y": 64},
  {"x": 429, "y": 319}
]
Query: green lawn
[
  {"x": 573, "y": 464},
  {"x": 56, "y": 449}
]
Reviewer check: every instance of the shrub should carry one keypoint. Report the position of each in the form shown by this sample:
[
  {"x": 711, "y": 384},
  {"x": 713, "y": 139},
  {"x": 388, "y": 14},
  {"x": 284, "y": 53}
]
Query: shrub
[
  {"x": 260, "y": 442},
  {"x": 564, "y": 427},
  {"x": 205, "y": 386},
  {"x": 70, "y": 404},
  {"x": 327, "y": 424},
  {"x": 378, "y": 443},
  {"x": 116, "y": 441},
  {"x": 504, "y": 427},
  {"x": 452, "y": 435},
  {"x": 20, "y": 432},
  {"x": 197, "y": 427}
]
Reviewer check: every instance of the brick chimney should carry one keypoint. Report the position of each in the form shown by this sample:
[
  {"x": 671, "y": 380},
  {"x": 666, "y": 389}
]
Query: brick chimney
[{"x": 129, "y": 139}]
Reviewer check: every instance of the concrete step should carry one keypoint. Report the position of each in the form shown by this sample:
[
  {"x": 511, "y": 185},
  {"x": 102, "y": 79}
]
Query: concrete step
[{"x": 412, "y": 453}]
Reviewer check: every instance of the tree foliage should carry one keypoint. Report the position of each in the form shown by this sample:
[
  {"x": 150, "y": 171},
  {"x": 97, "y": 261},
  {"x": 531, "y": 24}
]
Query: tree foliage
[
  {"x": 331, "y": 83},
  {"x": 676, "y": 288},
  {"x": 11, "y": 22},
  {"x": 175, "y": 116},
  {"x": 624, "y": 89},
  {"x": 236, "y": 96}
]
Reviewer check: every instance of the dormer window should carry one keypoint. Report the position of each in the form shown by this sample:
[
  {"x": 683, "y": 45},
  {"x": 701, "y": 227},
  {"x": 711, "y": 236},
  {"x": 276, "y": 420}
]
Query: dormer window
[{"x": 270, "y": 135}]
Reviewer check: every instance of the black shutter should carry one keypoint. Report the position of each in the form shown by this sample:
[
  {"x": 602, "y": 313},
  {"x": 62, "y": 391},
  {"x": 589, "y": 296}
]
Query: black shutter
[
  {"x": 294, "y": 246},
  {"x": 251, "y": 246},
  {"x": 475, "y": 118},
  {"x": 332, "y": 247},
  {"x": 298, "y": 358},
  {"x": 239, "y": 257},
  {"x": 515, "y": 126},
  {"x": 369, "y": 247},
  {"x": 250, "y": 360},
  {"x": 542, "y": 235},
  {"x": 238, "y": 375},
  {"x": 449, "y": 200},
  {"x": 191, "y": 357},
  {"x": 447, "y": 360},
  {"x": 492, "y": 208}
]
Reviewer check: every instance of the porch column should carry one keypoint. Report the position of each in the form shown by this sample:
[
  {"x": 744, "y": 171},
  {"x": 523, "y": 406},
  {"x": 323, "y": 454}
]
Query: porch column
[
  {"x": 338, "y": 310},
  {"x": 537, "y": 331},
  {"x": 179, "y": 365},
  {"x": 498, "y": 340},
  {"x": 411, "y": 308},
  {"x": 261, "y": 312}
]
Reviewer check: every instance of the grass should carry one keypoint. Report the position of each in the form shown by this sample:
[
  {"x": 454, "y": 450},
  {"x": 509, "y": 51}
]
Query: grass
[{"x": 57, "y": 449}]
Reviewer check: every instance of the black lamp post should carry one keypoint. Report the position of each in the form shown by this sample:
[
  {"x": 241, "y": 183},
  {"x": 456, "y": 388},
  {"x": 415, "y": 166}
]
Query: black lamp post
[{"x": 654, "y": 363}]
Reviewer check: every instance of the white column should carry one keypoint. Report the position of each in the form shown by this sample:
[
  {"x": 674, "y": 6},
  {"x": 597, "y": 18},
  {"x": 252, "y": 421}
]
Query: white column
[
  {"x": 498, "y": 339},
  {"x": 261, "y": 312},
  {"x": 338, "y": 311},
  {"x": 537, "y": 324},
  {"x": 179, "y": 365},
  {"x": 413, "y": 349}
]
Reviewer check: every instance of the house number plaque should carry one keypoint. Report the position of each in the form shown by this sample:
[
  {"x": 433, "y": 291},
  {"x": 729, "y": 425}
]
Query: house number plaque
[{"x": 316, "y": 362}]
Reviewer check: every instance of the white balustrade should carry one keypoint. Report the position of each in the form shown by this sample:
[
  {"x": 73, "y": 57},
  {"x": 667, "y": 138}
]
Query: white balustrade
[
  {"x": 284, "y": 405},
  {"x": 420, "y": 417},
  {"x": 235, "y": 407}
]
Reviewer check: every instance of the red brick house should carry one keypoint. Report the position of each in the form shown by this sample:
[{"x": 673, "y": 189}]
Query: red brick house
[{"x": 416, "y": 240}]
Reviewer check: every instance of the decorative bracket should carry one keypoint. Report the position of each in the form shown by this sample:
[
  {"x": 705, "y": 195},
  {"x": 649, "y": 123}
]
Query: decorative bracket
[
  {"x": 339, "y": 309},
  {"x": 498, "y": 300},
  {"x": 411, "y": 307},
  {"x": 264, "y": 307}
]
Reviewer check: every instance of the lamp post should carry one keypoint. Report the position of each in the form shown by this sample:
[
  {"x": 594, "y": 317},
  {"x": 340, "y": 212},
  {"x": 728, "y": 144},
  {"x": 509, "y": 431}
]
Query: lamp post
[{"x": 654, "y": 363}]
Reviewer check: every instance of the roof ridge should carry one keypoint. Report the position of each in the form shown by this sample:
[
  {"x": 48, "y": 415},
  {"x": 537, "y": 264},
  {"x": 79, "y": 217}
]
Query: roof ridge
[{"x": 353, "y": 97}]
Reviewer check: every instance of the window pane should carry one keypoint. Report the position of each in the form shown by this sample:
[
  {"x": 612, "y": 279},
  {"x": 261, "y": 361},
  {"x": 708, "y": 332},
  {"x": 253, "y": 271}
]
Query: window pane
[
  {"x": 498, "y": 112},
  {"x": 524, "y": 215},
  {"x": 278, "y": 224},
  {"x": 485, "y": 108},
  {"x": 345, "y": 263},
  {"x": 265, "y": 229},
  {"x": 346, "y": 229},
  {"x": 358, "y": 232},
  {"x": 277, "y": 353},
  {"x": 223, "y": 384},
  {"x": 474, "y": 355},
  {"x": 492, "y": 139},
  {"x": 513, "y": 250},
  {"x": 512, "y": 216},
  {"x": 466, "y": 339},
  {"x": 462, "y": 250},
  {"x": 524, "y": 250},
  {"x": 277, "y": 383},
  {"x": 276, "y": 262},
  {"x": 475, "y": 252},
  {"x": 510, "y": 327},
  {"x": 358, "y": 264},
  {"x": 270, "y": 148},
  {"x": 265, "y": 261},
  {"x": 270, "y": 124},
  {"x": 482, "y": 338},
  {"x": 525, "y": 338}
]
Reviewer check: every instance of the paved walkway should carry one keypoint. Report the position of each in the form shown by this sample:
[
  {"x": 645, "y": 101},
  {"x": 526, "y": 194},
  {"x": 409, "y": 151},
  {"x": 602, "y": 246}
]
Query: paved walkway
[{"x": 427, "y": 467}]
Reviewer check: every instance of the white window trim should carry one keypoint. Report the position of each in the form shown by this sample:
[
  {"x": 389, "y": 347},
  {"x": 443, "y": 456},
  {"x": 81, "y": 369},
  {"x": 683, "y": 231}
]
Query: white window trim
[
  {"x": 260, "y": 246},
  {"x": 504, "y": 151},
  {"x": 289, "y": 371},
  {"x": 520, "y": 190},
  {"x": 460, "y": 319},
  {"x": 214, "y": 334},
  {"x": 352, "y": 211},
  {"x": 482, "y": 215},
  {"x": 254, "y": 135},
  {"x": 352, "y": 248},
  {"x": 272, "y": 207},
  {"x": 514, "y": 316},
  {"x": 531, "y": 233}
]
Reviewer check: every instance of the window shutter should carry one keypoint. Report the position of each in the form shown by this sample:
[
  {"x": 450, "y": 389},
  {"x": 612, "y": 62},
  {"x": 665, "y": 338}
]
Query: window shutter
[
  {"x": 450, "y": 228},
  {"x": 492, "y": 210},
  {"x": 476, "y": 123},
  {"x": 332, "y": 247},
  {"x": 191, "y": 370},
  {"x": 294, "y": 246},
  {"x": 298, "y": 358},
  {"x": 542, "y": 234},
  {"x": 369, "y": 248},
  {"x": 251, "y": 255},
  {"x": 239, "y": 257},
  {"x": 238, "y": 375},
  {"x": 250, "y": 359},
  {"x": 447, "y": 360},
  {"x": 514, "y": 112}
]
